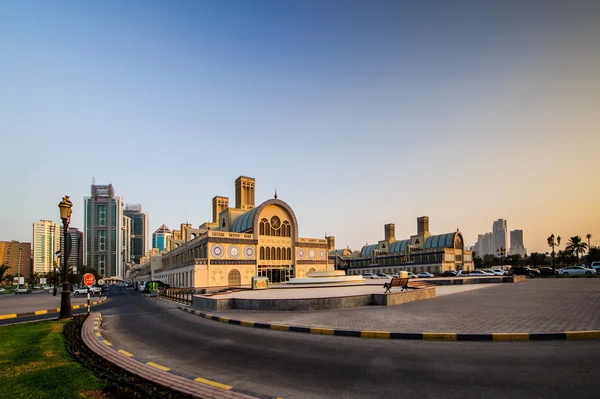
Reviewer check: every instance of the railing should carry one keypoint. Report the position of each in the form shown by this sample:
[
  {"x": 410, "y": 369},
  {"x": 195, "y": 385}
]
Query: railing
[{"x": 182, "y": 295}]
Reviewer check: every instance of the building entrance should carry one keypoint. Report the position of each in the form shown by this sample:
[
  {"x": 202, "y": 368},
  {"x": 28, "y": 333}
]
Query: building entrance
[{"x": 275, "y": 273}]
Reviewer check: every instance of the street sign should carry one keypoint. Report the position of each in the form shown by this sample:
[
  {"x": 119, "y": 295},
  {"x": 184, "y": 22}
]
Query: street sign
[
  {"x": 100, "y": 282},
  {"x": 89, "y": 279},
  {"x": 43, "y": 280}
]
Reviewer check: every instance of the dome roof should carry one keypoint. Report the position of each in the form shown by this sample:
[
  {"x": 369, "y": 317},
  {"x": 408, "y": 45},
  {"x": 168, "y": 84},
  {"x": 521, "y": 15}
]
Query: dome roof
[
  {"x": 441, "y": 241},
  {"x": 399, "y": 246},
  {"x": 367, "y": 250},
  {"x": 244, "y": 222}
]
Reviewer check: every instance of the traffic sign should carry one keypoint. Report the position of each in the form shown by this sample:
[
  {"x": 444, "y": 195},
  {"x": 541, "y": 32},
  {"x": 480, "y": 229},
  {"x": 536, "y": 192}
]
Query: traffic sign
[{"x": 89, "y": 279}]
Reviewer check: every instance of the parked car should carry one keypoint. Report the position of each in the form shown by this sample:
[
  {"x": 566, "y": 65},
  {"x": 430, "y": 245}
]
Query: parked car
[
  {"x": 595, "y": 266},
  {"x": 576, "y": 271},
  {"x": 23, "y": 290},
  {"x": 449, "y": 273},
  {"x": 384, "y": 276},
  {"x": 411, "y": 275},
  {"x": 80, "y": 291},
  {"x": 495, "y": 272},
  {"x": 525, "y": 271},
  {"x": 547, "y": 271},
  {"x": 425, "y": 275},
  {"x": 369, "y": 275},
  {"x": 480, "y": 273}
]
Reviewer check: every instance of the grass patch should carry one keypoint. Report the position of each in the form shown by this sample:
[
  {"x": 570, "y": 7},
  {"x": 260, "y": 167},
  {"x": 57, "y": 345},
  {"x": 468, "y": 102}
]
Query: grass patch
[{"x": 34, "y": 363}]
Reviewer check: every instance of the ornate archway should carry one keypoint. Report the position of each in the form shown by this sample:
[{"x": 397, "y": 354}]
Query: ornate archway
[{"x": 234, "y": 277}]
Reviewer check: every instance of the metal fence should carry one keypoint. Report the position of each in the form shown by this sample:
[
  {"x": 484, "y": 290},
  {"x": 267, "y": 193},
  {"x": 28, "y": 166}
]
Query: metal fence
[{"x": 182, "y": 295}]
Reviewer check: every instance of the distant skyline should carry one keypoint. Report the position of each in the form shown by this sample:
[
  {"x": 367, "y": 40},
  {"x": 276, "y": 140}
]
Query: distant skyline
[{"x": 358, "y": 113}]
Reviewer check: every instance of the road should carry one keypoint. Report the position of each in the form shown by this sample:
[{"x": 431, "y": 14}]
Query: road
[{"x": 295, "y": 365}]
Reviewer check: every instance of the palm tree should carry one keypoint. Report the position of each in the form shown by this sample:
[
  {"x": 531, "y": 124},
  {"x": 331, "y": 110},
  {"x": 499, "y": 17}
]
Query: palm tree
[
  {"x": 577, "y": 246},
  {"x": 589, "y": 236},
  {"x": 3, "y": 270}
]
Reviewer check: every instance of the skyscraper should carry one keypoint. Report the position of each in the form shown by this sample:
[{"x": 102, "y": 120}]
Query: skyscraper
[
  {"x": 76, "y": 253},
  {"x": 160, "y": 238},
  {"x": 47, "y": 241},
  {"x": 139, "y": 231},
  {"x": 17, "y": 256},
  {"x": 516, "y": 243},
  {"x": 500, "y": 232},
  {"x": 103, "y": 221}
]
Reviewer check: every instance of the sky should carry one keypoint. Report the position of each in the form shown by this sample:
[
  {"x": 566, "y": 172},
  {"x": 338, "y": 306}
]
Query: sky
[{"x": 359, "y": 113}]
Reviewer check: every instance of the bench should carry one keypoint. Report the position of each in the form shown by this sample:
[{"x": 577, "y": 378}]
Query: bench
[{"x": 396, "y": 282}]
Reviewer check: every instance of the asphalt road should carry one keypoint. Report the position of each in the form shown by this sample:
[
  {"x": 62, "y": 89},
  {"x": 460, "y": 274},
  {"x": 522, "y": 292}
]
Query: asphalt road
[{"x": 295, "y": 365}]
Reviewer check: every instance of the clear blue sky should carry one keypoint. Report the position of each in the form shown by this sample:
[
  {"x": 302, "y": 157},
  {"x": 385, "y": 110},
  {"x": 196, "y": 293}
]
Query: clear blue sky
[{"x": 358, "y": 113}]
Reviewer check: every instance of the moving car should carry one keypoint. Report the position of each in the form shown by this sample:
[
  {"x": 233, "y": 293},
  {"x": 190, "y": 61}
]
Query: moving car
[
  {"x": 23, "y": 290},
  {"x": 383, "y": 276},
  {"x": 80, "y": 291},
  {"x": 425, "y": 275},
  {"x": 576, "y": 271}
]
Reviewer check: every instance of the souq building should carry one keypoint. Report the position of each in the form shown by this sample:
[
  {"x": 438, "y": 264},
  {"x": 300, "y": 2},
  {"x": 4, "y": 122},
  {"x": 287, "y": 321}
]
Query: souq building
[
  {"x": 241, "y": 242},
  {"x": 421, "y": 252}
]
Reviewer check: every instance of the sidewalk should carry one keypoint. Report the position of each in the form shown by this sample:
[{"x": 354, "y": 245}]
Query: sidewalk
[{"x": 534, "y": 306}]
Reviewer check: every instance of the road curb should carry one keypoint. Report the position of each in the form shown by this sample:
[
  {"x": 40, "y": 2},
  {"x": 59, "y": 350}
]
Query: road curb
[
  {"x": 195, "y": 385},
  {"x": 424, "y": 336},
  {"x": 46, "y": 311}
]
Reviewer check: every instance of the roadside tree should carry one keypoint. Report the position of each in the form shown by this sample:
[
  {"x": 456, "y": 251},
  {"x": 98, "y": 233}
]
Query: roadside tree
[{"x": 577, "y": 246}]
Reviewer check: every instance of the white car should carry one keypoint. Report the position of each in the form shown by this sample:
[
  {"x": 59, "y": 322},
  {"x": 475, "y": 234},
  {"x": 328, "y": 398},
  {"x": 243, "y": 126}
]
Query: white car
[
  {"x": 411, "y": 275},
  {"x": 495, "y": 272},
  {"x": 425, "y": 275},
  {"x": 369, "y": 275},
  {"x": 576, "y": 271},
  {"x": 481, "y": 273},
  {"x": 80, "y": 291},
  {"x": 383, "y": 276},
  {"x": 595, "y": 266}
]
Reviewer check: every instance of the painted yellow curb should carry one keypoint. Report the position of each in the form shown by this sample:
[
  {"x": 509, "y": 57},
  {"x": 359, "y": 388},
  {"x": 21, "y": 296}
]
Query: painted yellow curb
[
  {"x": 158, "y": 366},
  {"x": 247, "y": 323},
  {"x": 323, "y": 331},
  {"x": 224, "y": 320},
  {"x": 124, "y": 352},
  {"x": 8, "y": 316},
  {"x": 107, "y": 343},
  {"x": 583, "y": 334},
  {"x": 375, "y": 334},
  {"x": 280, "y": 327},
  {"x": 213, "y": 383}
]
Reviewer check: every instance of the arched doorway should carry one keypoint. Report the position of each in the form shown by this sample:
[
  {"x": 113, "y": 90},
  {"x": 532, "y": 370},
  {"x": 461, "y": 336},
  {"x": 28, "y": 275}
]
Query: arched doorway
[
  {"x": 312, "y": 269},
  {"x": 234, "y": 277}
]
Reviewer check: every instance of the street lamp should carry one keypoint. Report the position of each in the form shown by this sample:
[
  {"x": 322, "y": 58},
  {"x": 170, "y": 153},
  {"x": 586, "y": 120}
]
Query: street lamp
[
  {"x": 552, "y": 243},
  {"x": 501, "y": 252},
  {"x": 65, "y": 299}
]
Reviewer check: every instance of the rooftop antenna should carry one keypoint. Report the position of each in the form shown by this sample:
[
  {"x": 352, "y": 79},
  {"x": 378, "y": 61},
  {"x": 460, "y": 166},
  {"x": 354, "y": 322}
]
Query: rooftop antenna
[
  {"x": 275, "y": 194},
  {"x": 93, "y": 181}
]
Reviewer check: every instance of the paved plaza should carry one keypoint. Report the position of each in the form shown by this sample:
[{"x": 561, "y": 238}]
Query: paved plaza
[{"x": 533, "y": 306}]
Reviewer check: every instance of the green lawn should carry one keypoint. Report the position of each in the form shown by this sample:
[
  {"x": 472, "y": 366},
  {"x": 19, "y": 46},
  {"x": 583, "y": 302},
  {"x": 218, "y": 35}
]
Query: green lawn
[{"x": 34, "y": 363}]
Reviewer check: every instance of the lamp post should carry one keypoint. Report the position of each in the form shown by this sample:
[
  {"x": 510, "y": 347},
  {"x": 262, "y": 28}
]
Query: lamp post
[
  {"x": 501, "y": 252},
  {"x": 55, "y": 279},
  {"x": 65, "y": 299},
  {"x": 552, "y": 243}
]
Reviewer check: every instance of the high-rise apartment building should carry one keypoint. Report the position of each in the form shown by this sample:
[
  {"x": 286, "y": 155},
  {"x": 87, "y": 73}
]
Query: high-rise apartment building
[
  {"x": 160, "y": 238},
  {"x": 517, "y": 247},
  {"x": 103, "y": 231},
  {"x": 500, "y": 231},
  {"x": 485, "y": 245},
  {"x": 47, "y": 241},
  {"x": 139, "y": 231},
  {"x": 76, "y": 252},
  {"x": 17, "y": 256},
  {"x": 126, "y": 241}
]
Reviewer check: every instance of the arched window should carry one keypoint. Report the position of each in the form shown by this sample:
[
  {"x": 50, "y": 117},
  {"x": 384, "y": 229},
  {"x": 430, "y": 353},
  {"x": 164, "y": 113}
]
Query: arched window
[
  {"x": 278, "y": 253},
  {"x": 289, "y": 254},
  {"x": 312, "y": 269},
  {"x": 223, "y": 224},
  {"x": 272, "y": 252},
  {"x": 234, "y": 277},
  {"x": 261, "y": 229},
  {"x": 267, "y": 253},
  {"x": 289, "y": 230},
  {"x": 278, "y": 232},
  {"x": 267, "y": 229},
  {"x": 262, "y": 252}
]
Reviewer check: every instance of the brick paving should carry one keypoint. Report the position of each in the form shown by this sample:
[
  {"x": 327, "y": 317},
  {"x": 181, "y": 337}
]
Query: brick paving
[
  {"x": 143, "y": 370},
  {"x": 533, "y": 306}
]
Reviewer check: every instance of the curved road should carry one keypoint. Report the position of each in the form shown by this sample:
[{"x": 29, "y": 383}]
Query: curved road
[{"x": 295, "y": 365}]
